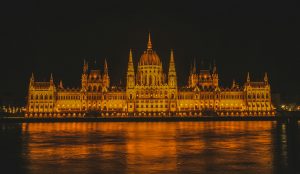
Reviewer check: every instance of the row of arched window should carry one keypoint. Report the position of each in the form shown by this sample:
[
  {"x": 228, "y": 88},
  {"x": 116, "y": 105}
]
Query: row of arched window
[
  {"x": 94, "y": 88},
  {"x": 40, "y": 97},
  {"x": 258, "y": 96},
  {"x": 40, "y": 106},
  {"x": 68, "y": 97}
]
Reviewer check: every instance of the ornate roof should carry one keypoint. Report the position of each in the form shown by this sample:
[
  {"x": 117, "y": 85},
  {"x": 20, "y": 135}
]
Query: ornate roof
[{"x": 149, "y": 57}]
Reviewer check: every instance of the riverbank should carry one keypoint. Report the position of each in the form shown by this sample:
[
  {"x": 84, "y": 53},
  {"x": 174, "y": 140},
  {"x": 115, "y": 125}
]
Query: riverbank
[{"x": 144, "y": 119}]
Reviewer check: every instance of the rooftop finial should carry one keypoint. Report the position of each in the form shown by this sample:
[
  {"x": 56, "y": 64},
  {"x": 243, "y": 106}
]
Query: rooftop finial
[
  {"x": 233, "y": 84},
  {"x": 61, "y": 84},
  {"x": 32, "y": 77},
  {"x": 149, "y": 46},
  {"x": 194, "y": 66},
  {"x": 51, "y": 79},
  {"x": 172, "y": 56},
  {"x": 130, "y": 55},
  {"x": 248, "y": 77},
  {"x": 105, "y": 66},
  {"x": 266, "y": 77},
  {"x": 215, "y": 67}
]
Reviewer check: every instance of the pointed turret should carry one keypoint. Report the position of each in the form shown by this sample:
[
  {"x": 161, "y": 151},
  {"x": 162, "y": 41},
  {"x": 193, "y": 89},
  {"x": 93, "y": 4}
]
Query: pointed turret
[
  {"x": 149, "y": 45},
  {"x": 130, "y": 72},
  {"x": 248, "y": 77},
  {"x": 31, "y": 82},
  {"x": 130, "y": 68},
  {"x": 215, "y": 68},
  {"x": 61, "y": 84},
  {"x": 172, "y": 77},
  {"x": 85, "y": 67},
  {"x": 32, "y": 78},
  {"x": 105, "y": 67},
  {"x": 215, "y": 75},
  {"x": 84, "y": 75},
  {"x": 233, "y": 84},
  {"x": 172, "y": 63},
  {"x": 194, "y": 67},
  {"x": 266, "y": 78},
  {"x": 51, "y": 79},
  {"x": 106, "y": 80}
]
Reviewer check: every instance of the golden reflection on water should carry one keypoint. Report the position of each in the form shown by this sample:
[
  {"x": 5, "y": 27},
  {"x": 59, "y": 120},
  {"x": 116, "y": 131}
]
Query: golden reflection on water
[{"x": 154, "y": 147}]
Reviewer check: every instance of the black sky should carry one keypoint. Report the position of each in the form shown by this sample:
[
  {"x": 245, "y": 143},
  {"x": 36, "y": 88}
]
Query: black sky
[{"x": 55, "y": 36}]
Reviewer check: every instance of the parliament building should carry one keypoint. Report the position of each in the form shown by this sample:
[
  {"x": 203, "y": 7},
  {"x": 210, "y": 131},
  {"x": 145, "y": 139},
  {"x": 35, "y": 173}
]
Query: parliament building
[{"x": 149, "y": 92}]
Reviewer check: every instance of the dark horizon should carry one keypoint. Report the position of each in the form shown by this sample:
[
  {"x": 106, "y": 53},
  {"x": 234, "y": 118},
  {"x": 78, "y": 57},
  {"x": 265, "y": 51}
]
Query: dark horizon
[{"x": 48, "y": 37}]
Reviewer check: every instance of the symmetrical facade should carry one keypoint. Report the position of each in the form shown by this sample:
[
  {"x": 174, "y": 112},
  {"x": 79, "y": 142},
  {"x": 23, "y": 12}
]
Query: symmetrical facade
[{"x": 149, "y": 91}]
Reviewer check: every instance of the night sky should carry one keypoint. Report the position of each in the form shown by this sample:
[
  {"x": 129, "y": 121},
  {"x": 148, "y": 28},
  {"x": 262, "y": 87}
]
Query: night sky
[{"x": 55, "y": 36}]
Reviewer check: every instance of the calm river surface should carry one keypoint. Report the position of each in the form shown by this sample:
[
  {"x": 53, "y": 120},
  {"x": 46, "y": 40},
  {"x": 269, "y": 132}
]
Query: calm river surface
[{"x": 158, "y": 147}]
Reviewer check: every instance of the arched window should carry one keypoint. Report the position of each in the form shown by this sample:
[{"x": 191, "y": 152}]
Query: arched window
[
  {"x": 50, "y": 97},
  {"x": 41, "y": 97},
  {"x": 31, "y": 97},
  {"x": 150, "y": 80}
]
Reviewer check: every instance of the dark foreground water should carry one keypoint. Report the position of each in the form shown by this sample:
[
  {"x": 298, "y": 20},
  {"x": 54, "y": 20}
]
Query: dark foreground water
[{"x": 160, "y": 147}]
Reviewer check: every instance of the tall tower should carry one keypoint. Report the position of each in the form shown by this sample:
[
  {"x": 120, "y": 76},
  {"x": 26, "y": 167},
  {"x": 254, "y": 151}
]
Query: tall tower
[
  {"x": 172, "y": 77},
  {"x": 105, "y": 78},
  {"x": 130, "y": 84},
  {"x": 172, "y": 83},
  {"x": 130, "y": 73},
  {"x": 84, "y": 75}
]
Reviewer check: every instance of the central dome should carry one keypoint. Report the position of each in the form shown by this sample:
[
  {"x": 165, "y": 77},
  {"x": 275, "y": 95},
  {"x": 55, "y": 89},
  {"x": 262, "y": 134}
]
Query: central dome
[{"x": 149, "y": 57}]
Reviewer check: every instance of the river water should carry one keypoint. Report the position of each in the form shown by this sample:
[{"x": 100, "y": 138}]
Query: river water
[{"x": 258, "y": 147}]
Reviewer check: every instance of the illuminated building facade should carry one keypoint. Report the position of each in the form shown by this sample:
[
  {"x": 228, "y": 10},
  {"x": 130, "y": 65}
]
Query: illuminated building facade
[{"x": 149, "y": 91}]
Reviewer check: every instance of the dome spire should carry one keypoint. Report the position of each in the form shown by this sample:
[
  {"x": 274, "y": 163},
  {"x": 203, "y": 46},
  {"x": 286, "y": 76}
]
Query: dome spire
[{"x": 149, "y": 45}]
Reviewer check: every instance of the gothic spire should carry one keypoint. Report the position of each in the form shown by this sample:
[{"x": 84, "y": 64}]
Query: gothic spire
[
  {"x": 85, "y": 66},
  {"x": 51, "y": 79},
  {"x": 105, "y": 67},
  {"x": 61, "y": 84},
  {"x": 215, "y": 68},
  {"x": 172, "y": 78},
  {"x": 149, "y": 45},
  {"x": 248, "y": 77},
  {"x": 130, "y": 68},
  {"x": 233, "y": 84},
  {"x": 194, "y": 67},
  {"x": 32, "y": 77},
  {"x": 172, "y": 63},
  {"x": 130, "y": 56},
  {"x": 266, "y": 77}
]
